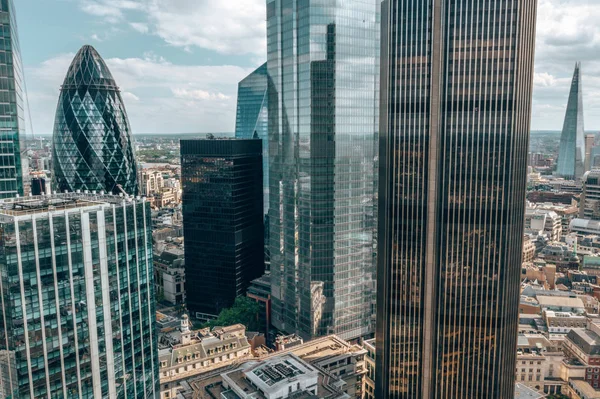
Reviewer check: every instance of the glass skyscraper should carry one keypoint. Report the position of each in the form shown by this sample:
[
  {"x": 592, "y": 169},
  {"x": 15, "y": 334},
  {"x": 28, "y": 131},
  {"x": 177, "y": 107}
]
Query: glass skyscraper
[
  {"x": 77, "y": 305},
  {"x": 456, "y": 80},
  {"x": 92, "y": 144},
  {"x": 222, "y": 221},
  {"x": 252, "y": 117},
  {"x": 12, "y": 111},
  {"x": 572, "y": 150},
  {"x": 323, "y": 66}
]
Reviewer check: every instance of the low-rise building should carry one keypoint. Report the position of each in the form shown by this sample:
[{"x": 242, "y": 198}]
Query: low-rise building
[
  {"x": 185, "y": 353},
  {"x": 580, "y": 389},
  {"x": 341, "y": 366},
  {"x": 538, "y": 363},
  {"x": 561, "y": 255},
  {"x": 529, "y": 249},
  {"x": 542, "y": 220},
  {"x": 561, "y": 304},
  {"x": 369, "y": 380},
  {"x": 560, "y": 323},
  {"x": 169, "y": 275},
  {"x": 282, "y": 376},
  {"x": 585, "y": 226},
  {"x": 260, "y": 291},
  {"x": 583, "y": 345}
]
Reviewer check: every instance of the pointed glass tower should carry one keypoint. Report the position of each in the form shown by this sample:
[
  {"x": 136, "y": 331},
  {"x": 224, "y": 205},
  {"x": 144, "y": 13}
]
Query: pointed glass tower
[
  {"x": 571, "y": 155},
  {"x": 252, "y": 117},
  {"x": 92, "y": 148}
]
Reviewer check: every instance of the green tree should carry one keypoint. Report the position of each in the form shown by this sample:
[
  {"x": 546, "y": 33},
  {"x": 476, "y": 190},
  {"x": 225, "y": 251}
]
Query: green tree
[{"x": 244, "y": 311}]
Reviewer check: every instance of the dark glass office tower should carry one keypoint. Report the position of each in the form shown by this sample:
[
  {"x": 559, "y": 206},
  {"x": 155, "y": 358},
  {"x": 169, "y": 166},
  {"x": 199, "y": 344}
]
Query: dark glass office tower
[
  {"x": 222, "y": 221},
  {"x": 92, "y": 145},
  {"x": 455, "y": 116},
  {"x": 77, "y": 300},
  {"x": 572, "y": 150},
  {"x": 323, "y": 93},
  {"x": 12, "y": 111},
  {"x": 252, "y": 118}
]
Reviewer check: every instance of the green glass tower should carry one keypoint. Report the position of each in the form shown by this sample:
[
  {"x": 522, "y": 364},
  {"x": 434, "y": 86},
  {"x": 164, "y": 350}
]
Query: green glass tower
[
  {"x": 252, "y": 118},
  {"x": 92, "y": 144},
  {"x": 77, "y": 305},
  {"x": 323, "y": 94},
  {"x": 12, "y": 112}
]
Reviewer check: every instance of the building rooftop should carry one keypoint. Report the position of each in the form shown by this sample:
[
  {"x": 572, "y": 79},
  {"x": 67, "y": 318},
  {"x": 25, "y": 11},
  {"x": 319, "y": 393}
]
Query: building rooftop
[
  {"x": 22, "y": 206},
  {"x": 584, "y": 224},
  {"x": 281, "y": 376},
  {"x": 524, "y": 392},
  {"x": 586, "y": 340},
  {"x": 562, "y": 301},
  {"x": 584, "y": 389}
]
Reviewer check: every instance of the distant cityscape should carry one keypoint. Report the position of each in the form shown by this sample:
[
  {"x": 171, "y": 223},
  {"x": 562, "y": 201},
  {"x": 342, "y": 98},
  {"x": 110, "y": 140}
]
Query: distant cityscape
[{"x": 382, "y": 223}]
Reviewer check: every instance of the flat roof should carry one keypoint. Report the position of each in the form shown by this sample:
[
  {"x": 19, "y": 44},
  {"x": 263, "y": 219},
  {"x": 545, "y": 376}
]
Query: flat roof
[
  {"x": 559, "y": 301},
  {"x": 524, "y": 392},
  {"x": 21, "y": 206}
]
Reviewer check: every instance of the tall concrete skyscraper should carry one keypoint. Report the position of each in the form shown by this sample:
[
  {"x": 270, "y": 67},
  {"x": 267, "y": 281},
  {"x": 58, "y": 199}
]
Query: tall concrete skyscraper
[
  {"x": 323, "y": 64},
  {"x": 92, "y": 146},
  {"x": 455, "y": 116},
  {"x": 252, "y": 118},
  {"x": 12, "y": 103},
  {"x": 571, "y": 154},
  {"x": 77, "y": 300}
]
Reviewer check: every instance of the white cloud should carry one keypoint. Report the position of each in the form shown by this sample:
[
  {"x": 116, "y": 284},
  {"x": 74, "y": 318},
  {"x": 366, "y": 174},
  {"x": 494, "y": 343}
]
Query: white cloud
[
  {"x": 127, "y": 96},
  {"x": 107, "y": 12},
  {"x": 225, "y": 26},
  {"x": 160, "y": 97},
  {"x": 199, "y": 94},
  {"x": 140, "y": 27},
  {"x": 567, "y": 32}
]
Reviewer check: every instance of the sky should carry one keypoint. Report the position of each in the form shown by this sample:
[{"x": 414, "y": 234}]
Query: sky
[{"x": 178, "y": 62}]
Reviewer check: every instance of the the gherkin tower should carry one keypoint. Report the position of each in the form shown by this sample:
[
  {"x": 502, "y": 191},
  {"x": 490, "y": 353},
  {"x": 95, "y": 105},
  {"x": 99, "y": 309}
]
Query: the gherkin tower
[{"x": 92, "y": 144}]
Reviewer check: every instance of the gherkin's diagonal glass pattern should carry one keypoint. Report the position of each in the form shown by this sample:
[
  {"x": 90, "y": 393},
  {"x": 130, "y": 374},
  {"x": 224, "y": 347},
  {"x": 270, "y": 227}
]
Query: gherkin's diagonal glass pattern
[
  {"x": 456, "y": 107},
  {"x": 323, "y": 65},
  {"x": 571, "y": 153},
  {"x": 92, "y": 144},
  {"x": 252, "y": 117},
  {"x": 12, "y": 113}
]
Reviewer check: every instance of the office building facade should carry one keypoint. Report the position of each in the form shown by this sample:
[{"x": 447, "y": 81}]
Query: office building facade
[
  {"x": 252, "y": 118},
  {"x": 572, "y": 150},
  {"x": 77, "y": 298},
  {"x": 12, "y": 105},
  {"x": 92, "y": 144},
  {"x": 589, "y": 205},
  {"x": 222, "y": 221},
  {"x": 456, "y": 86},
  {"x": 323, "y": 92}
]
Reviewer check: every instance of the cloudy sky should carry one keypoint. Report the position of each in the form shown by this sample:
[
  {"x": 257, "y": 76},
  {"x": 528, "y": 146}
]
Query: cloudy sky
[{"x": 178, "y": 61}]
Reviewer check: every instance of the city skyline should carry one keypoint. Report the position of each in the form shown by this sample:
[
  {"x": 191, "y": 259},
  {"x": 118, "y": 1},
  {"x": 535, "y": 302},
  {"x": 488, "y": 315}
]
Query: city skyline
[
  {"x": 393, "y": 236},
  {"x": 196, "y": 78}
]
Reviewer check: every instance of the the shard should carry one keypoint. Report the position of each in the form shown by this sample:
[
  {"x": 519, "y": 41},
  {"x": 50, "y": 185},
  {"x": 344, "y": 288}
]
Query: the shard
[
  {"x": 571, "y": 155},
  {"x": 92, "y": 143}
]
